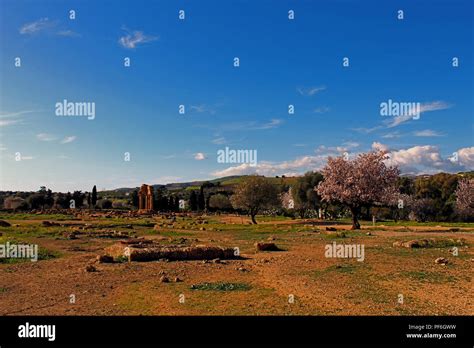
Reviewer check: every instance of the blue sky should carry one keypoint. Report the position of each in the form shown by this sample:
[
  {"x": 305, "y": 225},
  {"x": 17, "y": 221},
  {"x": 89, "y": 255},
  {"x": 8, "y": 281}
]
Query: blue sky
[{"x": 190, "y": 62}]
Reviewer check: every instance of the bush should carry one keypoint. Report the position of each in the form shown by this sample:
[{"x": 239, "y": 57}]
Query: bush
[{"x": 104, "y": 204}]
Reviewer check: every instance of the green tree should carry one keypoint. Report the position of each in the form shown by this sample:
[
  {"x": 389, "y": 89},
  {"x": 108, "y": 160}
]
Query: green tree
[
  {"x": 304, "y": 195},
  {"x": 253, "y": 194},
  {"x": 193, "y": 205},
  {"x": 201, "y": 200},
  {"x": 220, "y": 202},
  {"x": 94, "y": 196}
]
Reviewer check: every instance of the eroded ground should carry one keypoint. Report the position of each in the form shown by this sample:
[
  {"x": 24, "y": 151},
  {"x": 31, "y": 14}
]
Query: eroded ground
[{"x": 262, "y": 283}]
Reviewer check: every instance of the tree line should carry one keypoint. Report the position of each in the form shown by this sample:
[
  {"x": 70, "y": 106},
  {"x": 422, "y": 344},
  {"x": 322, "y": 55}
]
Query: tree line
[{"x": 360, "y": 188}]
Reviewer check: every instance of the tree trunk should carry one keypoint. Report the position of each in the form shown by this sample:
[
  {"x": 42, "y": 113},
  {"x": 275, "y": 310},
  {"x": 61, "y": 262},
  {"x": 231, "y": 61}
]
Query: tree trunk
[
  {"x": 355, "y": 222},
  {"x": 253, "y": 218}
]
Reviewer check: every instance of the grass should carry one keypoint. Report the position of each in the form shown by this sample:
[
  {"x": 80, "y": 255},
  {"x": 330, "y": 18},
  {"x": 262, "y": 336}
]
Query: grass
[
  {"x": 221, "y": 286},
  {"x": 43, "y": 253},
  {"x": 429, "y": 277},
  {"x": 402, "y": 223},
  {"x": 344, "y": 268},
  {"x": 28, "y": 216}
]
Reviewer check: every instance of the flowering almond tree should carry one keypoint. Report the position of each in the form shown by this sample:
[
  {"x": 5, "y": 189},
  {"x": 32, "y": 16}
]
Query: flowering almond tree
[
  {"x": 465, "y": 198},
  {"x": 365, "y": 180}
]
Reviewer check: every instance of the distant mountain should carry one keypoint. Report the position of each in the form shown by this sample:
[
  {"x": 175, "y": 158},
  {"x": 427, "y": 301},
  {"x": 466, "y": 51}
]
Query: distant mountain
[
  {"x": 195, "y": 185},
  {"x": 227, "y": 180}
]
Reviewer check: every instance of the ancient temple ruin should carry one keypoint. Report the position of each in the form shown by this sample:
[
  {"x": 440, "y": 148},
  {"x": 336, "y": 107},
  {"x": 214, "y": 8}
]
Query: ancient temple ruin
[{"x": 145, "y": 198}]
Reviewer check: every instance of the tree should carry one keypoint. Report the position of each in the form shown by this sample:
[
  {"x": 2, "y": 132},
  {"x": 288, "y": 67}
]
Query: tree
[
  {"x": 465, "y": 198},
  {"x": 422, "y": 209},
  {"x": 105, "y": 204},
  {"x": 36, "y": 200},
  {"x": 78, "y": 198},
  {"x": 220, "y": 202},
  {"x": 201, "y": 200},
  {"x": 94, "y": 196},
  {"x": 358, "y": 182},
  {"x": 134, "y": 198},
  {"x": 193, "y": 205},
  {"x": 304, "y": 195},
  {"x": 253, "y": 194},
  {"x": 176, "y": 203},
  {"x": 441, "y": 189}
]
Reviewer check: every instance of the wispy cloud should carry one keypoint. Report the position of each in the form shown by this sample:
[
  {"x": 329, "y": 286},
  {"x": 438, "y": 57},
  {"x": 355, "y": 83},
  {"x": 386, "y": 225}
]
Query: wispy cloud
[
  {"x": 367, "y": 130},
  {"x": 36, "y": 26},
  {"x": 4, "y": 123},
  {"x": 321, "y": 110},
  {"x": 274, "y": 123},
  {"x": 219, "y": 141},
  {"x": 391, "y": 135},
  {"x": 427, "y": 133},
  {"x": 11, "y": 118},
  {"x": 203, "y": 108},
  {"x": 15, "y": 114},
  {"x": 134, "y": 38},
  {"x": 45, "y": 137},
  {"x": 424, "y": 107},
  {"x": 166, "y": 157},
  {"x": 68, "y": 33},
  {"x": 244, "y": 126},
  {"x": 310, "y": 91},
  {"x": 68, "y": 139}
]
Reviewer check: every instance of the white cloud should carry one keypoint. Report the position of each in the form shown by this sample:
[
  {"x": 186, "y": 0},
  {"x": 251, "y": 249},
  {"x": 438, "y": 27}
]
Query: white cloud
[
  {"x": 45, "y": 137},
  {"x": 379, "y": 146},
  {"x": 310, "y": 91},
  {"x": 466, "y": 157},
  {"x": 199, "y": 156},
  {"x": 68, "y": 139},
  {"x": 34, "y": 27},
  {"x": 425, "y": 159},
  {"x": 132, "y": 39},
  {"x": 298, "y": 166},
  {"x": 427, "y": 133}
]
